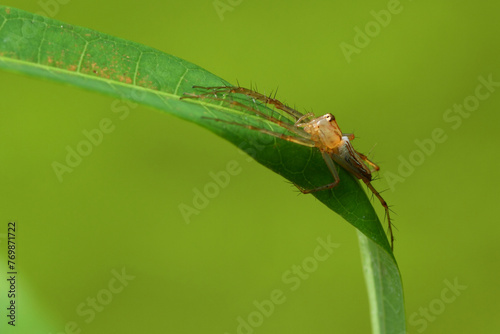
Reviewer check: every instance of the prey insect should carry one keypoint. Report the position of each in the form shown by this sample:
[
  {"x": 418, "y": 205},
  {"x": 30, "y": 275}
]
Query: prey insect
[{"x": 321, "y": 132}]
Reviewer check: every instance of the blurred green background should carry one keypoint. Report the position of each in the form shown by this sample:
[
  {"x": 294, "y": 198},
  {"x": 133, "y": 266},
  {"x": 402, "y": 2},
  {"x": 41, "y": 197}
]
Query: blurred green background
[{"x": 118, "y": 211}]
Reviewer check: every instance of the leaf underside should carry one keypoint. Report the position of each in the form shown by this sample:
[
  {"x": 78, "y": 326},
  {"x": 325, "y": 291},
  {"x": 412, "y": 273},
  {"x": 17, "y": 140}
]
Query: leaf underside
[{"x": 50, "y": 49}]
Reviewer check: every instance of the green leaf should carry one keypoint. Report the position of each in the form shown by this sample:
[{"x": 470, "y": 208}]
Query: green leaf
[
  {"x": 384, "y": 286},
  {"x": 49, "y": 49}
]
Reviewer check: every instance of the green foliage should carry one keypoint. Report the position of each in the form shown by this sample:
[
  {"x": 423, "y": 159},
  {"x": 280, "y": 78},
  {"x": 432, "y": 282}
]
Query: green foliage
[{"x": 82, "y": 57}]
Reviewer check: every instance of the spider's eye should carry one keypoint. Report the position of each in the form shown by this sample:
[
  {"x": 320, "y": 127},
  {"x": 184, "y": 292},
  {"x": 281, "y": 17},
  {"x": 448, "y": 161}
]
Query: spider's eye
[{"x": 330, "y": 117}]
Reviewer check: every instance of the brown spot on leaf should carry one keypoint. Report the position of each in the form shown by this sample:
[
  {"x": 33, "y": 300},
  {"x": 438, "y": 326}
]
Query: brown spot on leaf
[
  {"x": 7, "y": 10},
  {"x": 125, "y": 78},
  {"x": 144, "y": 82}
]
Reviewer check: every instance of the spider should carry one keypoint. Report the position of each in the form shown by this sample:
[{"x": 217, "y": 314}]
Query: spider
[{"x": 321, "y": 132}]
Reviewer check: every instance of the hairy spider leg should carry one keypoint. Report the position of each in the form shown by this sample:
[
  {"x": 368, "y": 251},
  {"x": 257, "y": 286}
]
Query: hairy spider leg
[
  {"x": 293, "y": 139},
  {"x": 368, "y": 161},
  {"x": 276, "y": 121},
  {"x": 331, "y": 167},
  {"x": 377, "y": 194},
  {"x": 301, "y": 120},
  {"x": 386, "y": 208},
  {"x": 258, "y": 96}
]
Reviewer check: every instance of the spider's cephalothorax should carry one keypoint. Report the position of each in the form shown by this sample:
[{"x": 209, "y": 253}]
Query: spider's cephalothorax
[{"x": 324, "y": 131}]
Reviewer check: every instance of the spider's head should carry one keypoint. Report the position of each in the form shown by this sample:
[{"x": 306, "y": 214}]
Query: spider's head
[{"x": 325, "y": 130}]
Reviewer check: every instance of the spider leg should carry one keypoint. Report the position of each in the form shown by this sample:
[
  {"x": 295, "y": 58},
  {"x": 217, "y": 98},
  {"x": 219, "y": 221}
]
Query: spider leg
[
  {"x": 386, "y": 208},
  {"x": 331, "y": 166},
  {"x": 349, "y": 136},
  {"x": 289, "y": 127},
  {"x": 258, "y": 96},
  {"x": 368, "y": 161},
  {"x": 301, "y": 119},
  {"x": 296, "y": 140}
]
